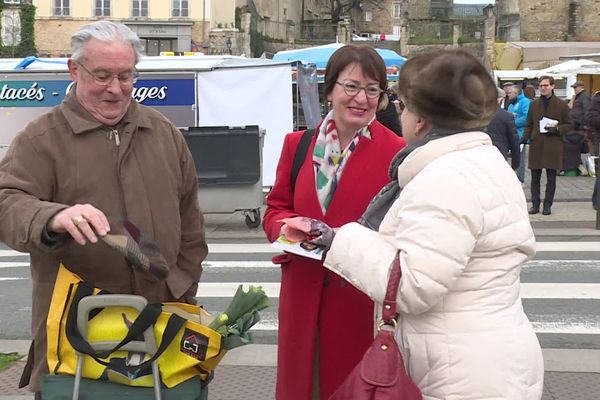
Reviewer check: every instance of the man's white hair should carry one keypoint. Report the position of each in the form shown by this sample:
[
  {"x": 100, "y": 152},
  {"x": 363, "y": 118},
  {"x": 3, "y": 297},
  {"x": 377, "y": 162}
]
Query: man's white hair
[{"x": 105, "y": 31}]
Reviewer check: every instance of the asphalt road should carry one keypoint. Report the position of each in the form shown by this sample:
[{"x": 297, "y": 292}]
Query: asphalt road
[{"x": 561, "y": 288}]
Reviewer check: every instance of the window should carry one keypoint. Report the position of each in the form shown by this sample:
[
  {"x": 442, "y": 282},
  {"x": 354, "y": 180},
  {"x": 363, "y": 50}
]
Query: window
[
  {"x": 180, "y": 8},
  {"x": 12, "y": 1},
  {"x": 102, "y": 8},
  {"x": 396, "y": 10},
  {"x": 368, "y": 16},
  {"x": 154, "y": 46},
  {"x": 11, "y": 28},
  {"x": 61, "y": 7},
  {"x": 139, "y": 8}
]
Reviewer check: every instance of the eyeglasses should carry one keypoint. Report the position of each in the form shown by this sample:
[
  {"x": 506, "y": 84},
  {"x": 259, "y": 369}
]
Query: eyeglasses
[
  {"x": 352, "y": 89},
  {"x": 105, "y": 78}
]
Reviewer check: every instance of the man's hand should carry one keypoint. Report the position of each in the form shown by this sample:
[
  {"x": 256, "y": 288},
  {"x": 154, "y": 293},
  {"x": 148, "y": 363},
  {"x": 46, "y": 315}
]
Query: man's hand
[{"x": 82, "y": 221}]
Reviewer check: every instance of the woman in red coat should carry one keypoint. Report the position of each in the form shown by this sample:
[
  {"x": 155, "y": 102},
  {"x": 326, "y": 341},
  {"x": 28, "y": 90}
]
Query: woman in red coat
[{"x": 325, "y": 324}]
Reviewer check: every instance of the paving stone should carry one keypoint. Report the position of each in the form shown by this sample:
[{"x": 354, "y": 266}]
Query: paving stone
[
  {"x": 243, "y": 383},
  {"x": 258, "y": 383},
  {"x": 229, "y": 383},
  {"x": 572, "y": 386},
  {"x": 9, "y": 380}
]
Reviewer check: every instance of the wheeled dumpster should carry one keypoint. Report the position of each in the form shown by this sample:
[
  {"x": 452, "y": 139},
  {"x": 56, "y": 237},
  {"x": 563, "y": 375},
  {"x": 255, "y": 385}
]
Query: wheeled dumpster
[{"x": 229, "y": 167}]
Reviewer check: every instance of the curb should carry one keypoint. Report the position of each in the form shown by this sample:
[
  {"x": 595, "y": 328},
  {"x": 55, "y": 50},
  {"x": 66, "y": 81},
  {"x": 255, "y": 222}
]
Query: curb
[{"x": 265, "y": 355}]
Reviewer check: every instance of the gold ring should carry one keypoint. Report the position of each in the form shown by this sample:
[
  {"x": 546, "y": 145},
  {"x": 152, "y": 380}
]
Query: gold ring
[{"x": 77, "y": 220}]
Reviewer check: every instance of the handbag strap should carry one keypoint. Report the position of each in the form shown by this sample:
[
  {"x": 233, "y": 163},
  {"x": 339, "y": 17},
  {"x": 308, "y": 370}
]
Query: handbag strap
[
  {"x": 145, "y": 319},
  {"x": 300, "y": 155},
  {"x": 389, "y": 313}
]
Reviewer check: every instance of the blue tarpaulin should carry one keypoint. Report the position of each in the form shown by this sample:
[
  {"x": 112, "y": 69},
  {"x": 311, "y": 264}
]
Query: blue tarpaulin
[{"x": 319, "y": 55}]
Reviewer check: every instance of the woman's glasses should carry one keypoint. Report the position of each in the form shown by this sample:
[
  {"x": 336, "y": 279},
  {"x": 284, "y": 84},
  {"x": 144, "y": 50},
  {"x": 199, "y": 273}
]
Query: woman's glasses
[{"x": 352, "y": 89}]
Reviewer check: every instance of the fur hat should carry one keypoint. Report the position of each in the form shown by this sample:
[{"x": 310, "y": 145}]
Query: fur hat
[{"x": 449, "y": 88}]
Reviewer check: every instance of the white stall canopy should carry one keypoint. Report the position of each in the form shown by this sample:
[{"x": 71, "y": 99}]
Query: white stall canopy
[{"x": 189, "y": 90}]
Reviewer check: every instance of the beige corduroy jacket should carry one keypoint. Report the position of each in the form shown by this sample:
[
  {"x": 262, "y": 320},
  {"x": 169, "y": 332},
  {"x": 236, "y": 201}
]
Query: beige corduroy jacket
[{"x": 66, "y": 157}]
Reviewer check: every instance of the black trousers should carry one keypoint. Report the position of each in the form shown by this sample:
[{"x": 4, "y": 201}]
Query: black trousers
[
  {"x": 595, "y": 198},
  {"x": 536, "y": 176},
  {"x": 594, "y": 149}
]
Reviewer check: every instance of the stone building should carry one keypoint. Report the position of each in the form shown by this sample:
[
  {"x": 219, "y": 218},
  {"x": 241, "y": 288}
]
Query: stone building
[
  {"x": 386, "y": 16},
  {"x": 278, "y": 10},
  {"x": 367, "y": 16},
  {"x": 10, "y": 23},
  {"x": 441, "y": 8},
  {"x": 548, "y": 20},
  {"x": 176, "y": 26}
]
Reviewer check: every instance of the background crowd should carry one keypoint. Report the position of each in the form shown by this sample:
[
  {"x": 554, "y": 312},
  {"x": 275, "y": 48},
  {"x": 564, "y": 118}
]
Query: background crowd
[{"x": 570, "y": 150}]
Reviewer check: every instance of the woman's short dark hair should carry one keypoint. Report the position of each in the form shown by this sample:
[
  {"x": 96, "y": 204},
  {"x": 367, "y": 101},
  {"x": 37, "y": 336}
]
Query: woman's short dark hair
[
  {"x": 366, "y": 57},
  {"x": 449, "y": 88}
]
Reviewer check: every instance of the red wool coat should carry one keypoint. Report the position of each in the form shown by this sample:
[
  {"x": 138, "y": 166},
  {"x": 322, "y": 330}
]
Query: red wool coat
[{"x": 312, "y": 299}]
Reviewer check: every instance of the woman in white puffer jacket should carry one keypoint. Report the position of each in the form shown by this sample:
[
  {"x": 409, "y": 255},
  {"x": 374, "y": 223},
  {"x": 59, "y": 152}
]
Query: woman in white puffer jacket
[{"x": 462, "y": 232}]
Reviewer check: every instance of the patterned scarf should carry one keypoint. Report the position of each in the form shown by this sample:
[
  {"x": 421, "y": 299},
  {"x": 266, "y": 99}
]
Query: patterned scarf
[{"x": 329, "y": 159}]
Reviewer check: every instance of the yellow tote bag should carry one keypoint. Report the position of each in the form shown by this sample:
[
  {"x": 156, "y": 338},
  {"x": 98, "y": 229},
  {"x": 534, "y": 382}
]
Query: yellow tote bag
[{"x": 187, "y": 348}]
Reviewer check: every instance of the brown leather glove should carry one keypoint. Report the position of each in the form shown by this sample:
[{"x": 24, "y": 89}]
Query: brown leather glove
[{"x": 139, "y": 251}]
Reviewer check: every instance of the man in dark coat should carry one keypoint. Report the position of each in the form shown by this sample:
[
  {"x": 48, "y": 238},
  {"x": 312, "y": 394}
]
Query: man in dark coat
[
  {"x": 548, "y": 118},
  {"x": 505, "y": 100},
  {"x": 503, "y": 132},
  {"x": 592, "y": 121},
  {"x": 579, "y": 104},
  {"x": 574, "y": 144}
]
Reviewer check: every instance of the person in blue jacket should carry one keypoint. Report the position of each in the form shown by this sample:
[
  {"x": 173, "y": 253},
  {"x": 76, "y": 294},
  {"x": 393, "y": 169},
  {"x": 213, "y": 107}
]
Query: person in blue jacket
[{"x": 519, "y": 107}]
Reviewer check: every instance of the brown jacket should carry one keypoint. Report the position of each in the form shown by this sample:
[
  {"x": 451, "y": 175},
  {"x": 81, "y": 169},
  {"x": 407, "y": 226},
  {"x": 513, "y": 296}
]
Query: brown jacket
[
  {"x": 546, "y": 151},
  {"x": 66, "y": 157}
]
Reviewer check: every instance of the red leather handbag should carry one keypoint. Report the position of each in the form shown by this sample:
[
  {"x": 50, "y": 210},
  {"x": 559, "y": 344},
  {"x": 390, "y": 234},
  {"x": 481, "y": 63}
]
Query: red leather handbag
[{"x": 380, "y": 374}]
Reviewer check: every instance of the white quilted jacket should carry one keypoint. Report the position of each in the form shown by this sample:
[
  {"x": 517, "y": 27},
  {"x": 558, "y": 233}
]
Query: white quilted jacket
[{"x": 463, "y": 233}]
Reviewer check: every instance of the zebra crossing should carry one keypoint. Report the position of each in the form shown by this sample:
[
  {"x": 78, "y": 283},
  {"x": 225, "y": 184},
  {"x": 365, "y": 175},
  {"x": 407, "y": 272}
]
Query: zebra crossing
[
  {"x": 561, "y": 295},
  {"x": 573, "y": 284}
]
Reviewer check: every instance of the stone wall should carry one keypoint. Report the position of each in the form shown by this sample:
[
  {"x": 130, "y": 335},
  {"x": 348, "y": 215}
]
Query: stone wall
[
  {"x": 383, "y": 18},
  {"x": 200, "y": 35},
  {"x": 548, "y": 20},
  {"x": 477, "y": 49},
  {"x": 280, "y": 10},
  {"x": 545, "y": 20},
  {"x": 589, "y": 24},
  {"x": 507, "y": 6},
  {"x": 218, "y": 41},
  {"x": 53, "y": 36}
]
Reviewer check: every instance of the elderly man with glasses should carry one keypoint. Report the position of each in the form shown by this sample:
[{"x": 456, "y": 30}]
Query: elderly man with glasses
[{"x": 99, "y": 155}]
